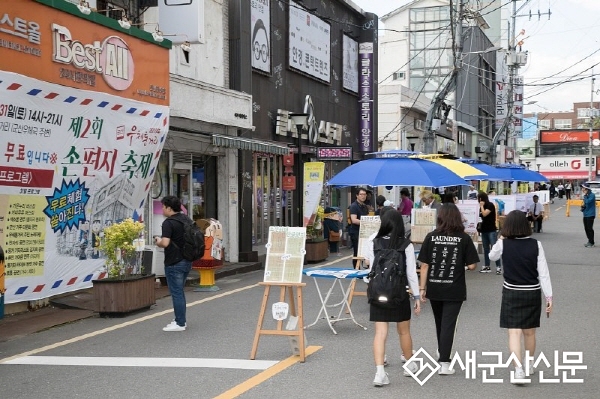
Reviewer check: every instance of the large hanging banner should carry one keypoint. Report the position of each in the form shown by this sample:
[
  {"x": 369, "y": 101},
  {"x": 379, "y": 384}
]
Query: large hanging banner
[
  {"x": 72, "y": 162},
  {"x": 260, "y": 17},
  {"x": 314, "y": 175}
]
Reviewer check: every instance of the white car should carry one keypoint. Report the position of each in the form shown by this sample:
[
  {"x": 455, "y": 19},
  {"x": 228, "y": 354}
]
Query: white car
[{"x": 595, "y": 188}]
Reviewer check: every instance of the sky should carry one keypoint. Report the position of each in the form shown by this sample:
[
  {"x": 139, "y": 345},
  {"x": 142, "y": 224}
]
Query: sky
[{"x": 565, "y": 42}]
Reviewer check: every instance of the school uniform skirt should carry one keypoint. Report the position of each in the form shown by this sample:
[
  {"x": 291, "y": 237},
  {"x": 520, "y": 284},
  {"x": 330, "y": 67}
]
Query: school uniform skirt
[
  {"x": 401, "y": 313},
  {"x": 520, "y": 309}
]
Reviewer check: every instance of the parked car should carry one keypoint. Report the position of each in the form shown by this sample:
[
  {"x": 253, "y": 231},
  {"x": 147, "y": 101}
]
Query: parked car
[{"x": 595, "y": 188}]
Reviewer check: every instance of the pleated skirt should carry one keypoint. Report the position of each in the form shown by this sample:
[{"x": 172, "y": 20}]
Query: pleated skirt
[
  {"x": 520, "y": 309},
  {"x": 401, "y": 313}
]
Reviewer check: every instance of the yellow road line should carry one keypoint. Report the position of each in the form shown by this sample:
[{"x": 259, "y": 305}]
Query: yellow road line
[
  {"x": 265, "y": 375},
  {"x": 122, "y": 325}
]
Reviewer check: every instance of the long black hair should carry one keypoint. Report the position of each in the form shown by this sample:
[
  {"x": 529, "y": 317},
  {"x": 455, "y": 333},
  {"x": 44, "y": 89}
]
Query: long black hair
[{"x": 392, "y": 225}]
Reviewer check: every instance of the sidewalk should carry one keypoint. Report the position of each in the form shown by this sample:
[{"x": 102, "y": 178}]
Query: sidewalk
[{"x": 80, "y": 305}]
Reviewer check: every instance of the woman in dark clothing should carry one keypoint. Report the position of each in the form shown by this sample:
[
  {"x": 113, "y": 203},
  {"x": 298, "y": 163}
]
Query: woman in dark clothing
[
  {"x": 444, "y": 254},
  {"x": 488, "y": 232},
  {"x": 331, "y": 222},
  {"x": 526, "y": 275}
]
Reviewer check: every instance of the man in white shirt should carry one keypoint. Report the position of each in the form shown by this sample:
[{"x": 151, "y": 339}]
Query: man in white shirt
[
  {"x": 536, "y": 214},
  {"x": 472, "y": 193}
]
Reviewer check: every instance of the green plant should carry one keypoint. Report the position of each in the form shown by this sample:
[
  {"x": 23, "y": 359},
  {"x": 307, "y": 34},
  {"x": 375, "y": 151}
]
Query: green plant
[
  {"x": 122, "y": 259},
  {"x": 314, "y": 231}
]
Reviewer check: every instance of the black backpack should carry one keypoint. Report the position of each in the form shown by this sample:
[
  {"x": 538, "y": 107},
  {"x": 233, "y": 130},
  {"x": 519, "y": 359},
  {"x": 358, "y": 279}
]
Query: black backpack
[
  {"x": 193, "y": 236},
  {"x": 388, "y": 282}
]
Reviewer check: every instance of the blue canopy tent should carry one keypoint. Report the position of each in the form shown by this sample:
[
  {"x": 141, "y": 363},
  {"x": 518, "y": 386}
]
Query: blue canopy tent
[
  {"x": 520, "y": 173},
  {"x": 493, "y": 174}
]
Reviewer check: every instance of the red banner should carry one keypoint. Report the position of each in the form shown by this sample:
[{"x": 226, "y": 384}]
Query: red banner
[
  {"x": 25, "y": 177},
  {"x": 566, "y": 136}
]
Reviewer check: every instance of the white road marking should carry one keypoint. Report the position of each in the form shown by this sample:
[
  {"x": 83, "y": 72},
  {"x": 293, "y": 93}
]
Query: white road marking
[{"x": 144, "y": 362}]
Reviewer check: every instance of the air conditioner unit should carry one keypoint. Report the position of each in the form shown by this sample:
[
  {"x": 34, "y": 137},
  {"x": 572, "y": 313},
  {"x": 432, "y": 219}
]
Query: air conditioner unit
[
  {"x": 479, "y": 150},
  {"x": 399, "y": 75},
  {"x": 419, "y": 124}
]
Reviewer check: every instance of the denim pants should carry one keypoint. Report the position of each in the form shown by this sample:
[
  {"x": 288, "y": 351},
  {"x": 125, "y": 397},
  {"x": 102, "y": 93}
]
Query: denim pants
[
  {"x": 487, "y": 241},
  {"x": 176, "y": 276}
]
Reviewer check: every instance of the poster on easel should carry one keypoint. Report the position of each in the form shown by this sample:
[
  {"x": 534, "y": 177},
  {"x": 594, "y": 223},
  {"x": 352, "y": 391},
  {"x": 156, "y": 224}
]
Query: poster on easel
[
  {"x": 423, "y": 221},
  {"x": 470, "y": 215},
  {"x": 285, "y": 254},
  {"x": 368, "y": 226}
]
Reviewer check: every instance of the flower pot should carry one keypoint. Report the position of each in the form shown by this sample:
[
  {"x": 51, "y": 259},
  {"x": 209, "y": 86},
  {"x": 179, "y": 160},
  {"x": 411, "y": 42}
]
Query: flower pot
[
  {"x": 316, "y": 251},
  {"x": 124, "y": 295}
]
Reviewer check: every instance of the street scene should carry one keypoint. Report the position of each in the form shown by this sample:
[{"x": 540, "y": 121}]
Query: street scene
[{"x": 132, "y": 356}]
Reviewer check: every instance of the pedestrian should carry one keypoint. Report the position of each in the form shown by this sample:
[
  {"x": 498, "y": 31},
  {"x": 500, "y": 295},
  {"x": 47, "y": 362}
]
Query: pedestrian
[
  {"x": 472, "y": 193},
  {"x": 589, "y": 213},
  {"x": 406, "y": 204},
  {"x": 357, "y": 209},
  {"x": 561, "y": 190},
  {"x": 526, "y": 275},
  {"x": 379, "y": 201},
  {"x": 552, "y": 192},
  {"x": 488, "y": 231},
  {"x": 568, "y": 188},
  {"x": 449, "y": 198},
  {"x": 332, "y": 230},
  {"x": 536, "y": 214},
  {"x": 444, "y": 254},
  {"x": 176, "y": 267},
  {"x": 428, "y": 200},
  {"x": 391, "y": 235}
]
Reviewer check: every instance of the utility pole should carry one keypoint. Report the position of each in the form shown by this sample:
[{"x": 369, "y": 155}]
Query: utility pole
[
  {"x": 591, "y": 169},
  {"x": 439, "y": 109},
  {"x": 516, "y": 59}
]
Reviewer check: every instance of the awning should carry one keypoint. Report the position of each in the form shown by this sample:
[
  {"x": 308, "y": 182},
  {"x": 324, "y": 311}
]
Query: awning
[
  {"x": 249, "y": 144},
  {"x": 566, "y": 175}
]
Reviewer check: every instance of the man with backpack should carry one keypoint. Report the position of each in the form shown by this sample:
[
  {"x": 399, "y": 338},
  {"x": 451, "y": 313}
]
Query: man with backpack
[
  {"x": 393, "y": 267},
  {"x": 178, "y": 235}
]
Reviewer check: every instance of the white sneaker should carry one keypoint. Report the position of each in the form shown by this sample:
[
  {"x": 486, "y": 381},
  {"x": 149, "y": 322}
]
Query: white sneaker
[
  {"x": 519, "y": 376},
  {"x": 381, "y": 379},
  {"x": 403, "y": 359},
  {"x": 446, "y": 370},
  {"x": 172, "y": 326},
  {"x": 410, "y": 367}
]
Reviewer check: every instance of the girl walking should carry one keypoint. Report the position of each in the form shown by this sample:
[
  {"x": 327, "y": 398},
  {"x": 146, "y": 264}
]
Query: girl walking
[
  {"x": 444, "y": 254},
  {"x": 391, "y": 235},
  {"x": 526, "y": 275}
]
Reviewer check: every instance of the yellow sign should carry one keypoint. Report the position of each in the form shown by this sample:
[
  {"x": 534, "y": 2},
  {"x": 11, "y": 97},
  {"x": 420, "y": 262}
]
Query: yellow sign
[{"x": 314, "y": 174}]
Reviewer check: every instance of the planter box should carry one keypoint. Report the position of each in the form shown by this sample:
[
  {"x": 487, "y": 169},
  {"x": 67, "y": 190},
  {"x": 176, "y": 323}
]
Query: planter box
[
  {"x": 123, "y": 296},
  {"x": 316, "y": 251}
]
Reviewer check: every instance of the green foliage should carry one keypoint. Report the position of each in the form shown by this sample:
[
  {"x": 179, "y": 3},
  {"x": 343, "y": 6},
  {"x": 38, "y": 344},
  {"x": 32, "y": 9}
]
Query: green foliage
[{"x": 117, "y": 245}]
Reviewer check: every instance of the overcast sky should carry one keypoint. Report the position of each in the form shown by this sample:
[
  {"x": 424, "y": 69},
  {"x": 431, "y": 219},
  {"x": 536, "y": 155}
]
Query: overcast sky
[{"x": 564, "y": 41}]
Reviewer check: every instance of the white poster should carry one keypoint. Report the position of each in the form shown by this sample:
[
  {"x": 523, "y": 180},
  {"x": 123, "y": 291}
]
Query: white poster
[
  {"x": 470, "y": 214},
  {"x": 504, "y": 203},
  {"x": 350, "y": 62},
  {"x": 310, "y": 43},
  {"x": 260, "y": 17},
  {"x": 72, "y": 162}
]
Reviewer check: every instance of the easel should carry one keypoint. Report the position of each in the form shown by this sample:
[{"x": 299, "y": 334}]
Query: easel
[
  {"x": 360, "y": 262},
  {"x": 299, "y": 332}
]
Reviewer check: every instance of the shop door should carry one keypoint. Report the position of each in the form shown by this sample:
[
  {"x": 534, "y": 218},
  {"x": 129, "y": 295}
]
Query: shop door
[{"x": 269, "y": 198}]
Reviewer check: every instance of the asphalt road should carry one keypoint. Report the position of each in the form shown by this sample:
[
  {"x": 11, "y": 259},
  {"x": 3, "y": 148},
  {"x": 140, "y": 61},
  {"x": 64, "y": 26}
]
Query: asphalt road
[{"x": 135, "y": 358}]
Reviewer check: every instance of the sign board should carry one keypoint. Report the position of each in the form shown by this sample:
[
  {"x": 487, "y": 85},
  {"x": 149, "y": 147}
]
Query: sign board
[
  {"x": 285, "y": 254},
  {"x": 350, "y": 61},
  {"x": 309, "y": 43},
  {"x": 422, "y": 222},
  {"x": 334, "y": 153},
  {"x": 368, "y": 226},
  {"x": 504, "y": 203},
  {"x": 260, "y": 17},
  {"x": 470, "y": 213}
]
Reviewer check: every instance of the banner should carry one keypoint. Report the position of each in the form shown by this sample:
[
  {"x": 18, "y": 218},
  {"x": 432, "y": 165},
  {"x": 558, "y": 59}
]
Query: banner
[
  {"x": 314, "y": 175},
  {"x": 72, "y": 162},
  {"x": 366, "y": 94},
  {"x": 260, "y": 17}
]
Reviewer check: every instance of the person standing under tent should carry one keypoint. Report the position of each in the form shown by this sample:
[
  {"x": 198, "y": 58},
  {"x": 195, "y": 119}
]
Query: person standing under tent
[
  {"x": 526, "y": 276},
  {"x": 391, "y": 235},
  {"x": 357, "y": 209},
  {"x": 568, "y": 189},
  {"x": 445, "y": 253},
  {"x": 488, "y": 231}
]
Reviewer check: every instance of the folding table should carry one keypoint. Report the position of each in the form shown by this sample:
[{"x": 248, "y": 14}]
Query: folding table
[{"x": 338, "y": 275}]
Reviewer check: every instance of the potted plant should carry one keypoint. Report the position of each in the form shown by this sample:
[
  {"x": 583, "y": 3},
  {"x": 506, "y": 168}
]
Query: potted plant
[
  {"x": 126, "y": 288},
  {"x": 316, "y": 244}
]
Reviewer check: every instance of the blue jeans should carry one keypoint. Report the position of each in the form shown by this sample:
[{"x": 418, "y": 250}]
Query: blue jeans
[
  {"x": 488, "y": 240},
  {"x": 176, "y": 276}
]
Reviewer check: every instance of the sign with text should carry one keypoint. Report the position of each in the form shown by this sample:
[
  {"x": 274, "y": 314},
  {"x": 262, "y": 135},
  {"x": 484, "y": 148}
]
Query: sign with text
[
  {"x": 334, "y": 153},
  {"x": 566, "y": 136},
  {"x": 309, "y": 43},
  {"x": 73, "y": 161},
  {"x": 368, "y": 226},
  {"x": 366, "y": 94},
  {"x": 285, "y": 254}
]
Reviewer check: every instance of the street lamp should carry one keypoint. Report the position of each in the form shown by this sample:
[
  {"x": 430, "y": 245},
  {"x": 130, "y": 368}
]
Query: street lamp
[{"x": 299, "y": 120}]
